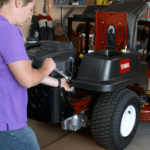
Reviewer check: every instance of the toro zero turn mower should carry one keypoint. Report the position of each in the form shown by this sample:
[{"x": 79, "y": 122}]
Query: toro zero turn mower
[{"x": 110, "y": 83}]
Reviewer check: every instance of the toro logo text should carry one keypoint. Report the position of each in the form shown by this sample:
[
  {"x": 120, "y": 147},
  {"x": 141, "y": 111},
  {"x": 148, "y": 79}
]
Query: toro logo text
[{"x": 124, "y": 66}]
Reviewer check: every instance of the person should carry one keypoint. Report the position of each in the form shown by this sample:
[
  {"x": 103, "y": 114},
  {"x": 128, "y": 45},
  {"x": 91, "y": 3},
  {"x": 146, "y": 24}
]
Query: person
[{"x": 17, "y": 75}]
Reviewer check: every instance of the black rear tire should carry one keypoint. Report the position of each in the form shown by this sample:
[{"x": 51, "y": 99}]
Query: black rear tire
[{"x": 107, "y": 115}]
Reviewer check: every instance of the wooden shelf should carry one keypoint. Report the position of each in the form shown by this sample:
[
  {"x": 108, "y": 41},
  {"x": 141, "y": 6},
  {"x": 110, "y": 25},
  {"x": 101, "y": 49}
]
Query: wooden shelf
[{"x": 55, "y": 6}]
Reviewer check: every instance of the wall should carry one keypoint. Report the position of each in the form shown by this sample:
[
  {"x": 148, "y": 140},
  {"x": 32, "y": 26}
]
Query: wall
[
  {"x": 25, "y": 29},
  {"x": 54, "y": 13}
]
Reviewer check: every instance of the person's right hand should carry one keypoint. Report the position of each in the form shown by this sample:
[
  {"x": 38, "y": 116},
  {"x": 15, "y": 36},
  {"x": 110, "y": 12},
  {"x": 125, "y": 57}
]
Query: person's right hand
[{"x": 49, "y": 64}]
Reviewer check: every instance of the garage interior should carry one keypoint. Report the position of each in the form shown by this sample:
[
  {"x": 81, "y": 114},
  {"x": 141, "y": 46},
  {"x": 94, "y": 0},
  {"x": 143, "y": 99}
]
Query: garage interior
[{"x": 52, "y": 136}]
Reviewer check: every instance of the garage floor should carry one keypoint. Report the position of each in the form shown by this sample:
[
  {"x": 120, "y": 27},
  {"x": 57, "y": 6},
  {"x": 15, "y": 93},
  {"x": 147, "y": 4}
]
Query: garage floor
[{"x": 53, "y": 137}]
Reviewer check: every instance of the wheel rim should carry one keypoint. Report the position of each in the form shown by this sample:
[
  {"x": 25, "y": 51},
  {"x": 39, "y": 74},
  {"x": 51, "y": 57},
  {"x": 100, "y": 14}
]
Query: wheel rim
[{"x": 128, "y": 121}]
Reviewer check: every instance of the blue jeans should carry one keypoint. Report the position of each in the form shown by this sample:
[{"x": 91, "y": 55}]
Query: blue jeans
[{"x": 21, "y": 139}]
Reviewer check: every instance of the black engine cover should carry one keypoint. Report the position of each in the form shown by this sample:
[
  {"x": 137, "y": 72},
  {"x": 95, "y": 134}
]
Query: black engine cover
[{"x": 59, "y": 51}]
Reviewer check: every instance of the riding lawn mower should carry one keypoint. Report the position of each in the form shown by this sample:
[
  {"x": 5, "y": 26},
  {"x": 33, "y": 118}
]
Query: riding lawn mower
[{"x": 110, "y": 83}]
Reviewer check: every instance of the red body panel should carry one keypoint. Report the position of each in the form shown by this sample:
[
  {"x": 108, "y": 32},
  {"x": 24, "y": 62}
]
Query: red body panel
[
  {"x": 145, "y": 113},
  {"x": 103, "y": 20},
  {"x": 81, "y": 105}
]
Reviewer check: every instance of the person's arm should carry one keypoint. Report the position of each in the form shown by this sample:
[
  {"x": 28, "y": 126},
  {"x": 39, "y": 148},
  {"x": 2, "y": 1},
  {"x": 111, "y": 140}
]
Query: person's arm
[
  {"x": 26, "y": 75},
  {"x": 54, "y": 83},
  {"x": 15, "y": 56},
  {"x": 29, "y": 77},
  {"x": 50, "y": 81}
]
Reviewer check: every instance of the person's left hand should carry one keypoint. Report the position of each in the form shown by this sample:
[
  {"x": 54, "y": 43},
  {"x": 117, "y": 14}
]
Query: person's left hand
[{"x": 65, "y": 85}]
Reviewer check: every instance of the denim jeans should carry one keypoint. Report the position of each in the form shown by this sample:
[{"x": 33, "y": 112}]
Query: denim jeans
[{"x": 21, "y": 139}]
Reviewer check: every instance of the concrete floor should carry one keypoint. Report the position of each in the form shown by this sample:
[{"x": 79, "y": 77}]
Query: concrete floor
[{"x": 53, "y": 137}]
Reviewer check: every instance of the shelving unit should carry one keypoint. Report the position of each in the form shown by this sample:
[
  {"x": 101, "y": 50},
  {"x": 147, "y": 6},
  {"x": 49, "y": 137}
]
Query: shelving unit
[{"x": 64, "y": 6}]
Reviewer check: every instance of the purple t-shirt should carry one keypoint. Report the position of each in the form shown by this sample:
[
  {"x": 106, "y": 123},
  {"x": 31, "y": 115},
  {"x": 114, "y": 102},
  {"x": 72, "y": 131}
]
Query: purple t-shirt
[{"x": 13, "y": 96}]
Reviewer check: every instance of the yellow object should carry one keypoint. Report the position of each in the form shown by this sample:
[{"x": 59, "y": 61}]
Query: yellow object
[
  {"x": 148, "y": 92},
  {"x": 123, "y": 50},
  {"x": 80, "y": 56},
  {"x": 103, "y": 2},
  {"x": 46, "y": 6}
]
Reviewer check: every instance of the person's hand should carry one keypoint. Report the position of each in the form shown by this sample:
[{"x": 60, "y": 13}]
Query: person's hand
[
  {"x": 49, "y": 64},
  {"x": 65, "y": 85}
]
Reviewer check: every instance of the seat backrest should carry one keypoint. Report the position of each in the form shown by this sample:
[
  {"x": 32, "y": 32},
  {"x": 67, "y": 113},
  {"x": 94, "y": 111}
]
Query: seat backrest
[
  {"x": 111, "y": 30},
  {"x": 135, "y": 10}
]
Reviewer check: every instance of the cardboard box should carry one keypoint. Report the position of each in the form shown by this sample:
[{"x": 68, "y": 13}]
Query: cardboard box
[{"x": 89, "y": 2}]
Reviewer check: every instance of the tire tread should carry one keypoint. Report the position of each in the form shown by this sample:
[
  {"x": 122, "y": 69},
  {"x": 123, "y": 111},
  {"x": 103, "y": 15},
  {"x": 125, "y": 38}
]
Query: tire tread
[{"x": 104, "y": 110}]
